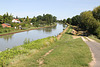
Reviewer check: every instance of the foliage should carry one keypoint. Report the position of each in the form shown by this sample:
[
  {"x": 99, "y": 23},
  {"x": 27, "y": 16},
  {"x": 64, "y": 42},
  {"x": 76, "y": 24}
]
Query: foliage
[
  {"x": 6, "y": 30},
  {"x": 33, "y": 19},
  {"x": 0, "y": 26},
  {"x": 27, "y": 20},
  {"x": 98, "y": 32},
  {"x": 21, "y": 19},
  {"x": 76, "y": 20},
  {"x": 87, "y": 20},
  {"x": 54, "y": 18},
  {"x": 96, "y": 13},
  {"x": 6, "y": 18},
  {"x": 64, "y": 21},
  {"x": 69, "y": 20},
  {"x": 1, "y": 19}
]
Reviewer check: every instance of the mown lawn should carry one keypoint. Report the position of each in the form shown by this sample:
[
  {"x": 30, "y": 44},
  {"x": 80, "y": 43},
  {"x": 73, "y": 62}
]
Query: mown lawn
[{"x": 69, "y": 52}]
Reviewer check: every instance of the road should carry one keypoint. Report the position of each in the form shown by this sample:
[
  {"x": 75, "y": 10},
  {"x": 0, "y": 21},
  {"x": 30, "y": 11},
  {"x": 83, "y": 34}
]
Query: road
[{"x": 95, "y": 49}]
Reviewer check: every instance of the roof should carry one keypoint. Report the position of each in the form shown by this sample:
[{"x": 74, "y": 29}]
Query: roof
[{"x": 7, "y": 24}]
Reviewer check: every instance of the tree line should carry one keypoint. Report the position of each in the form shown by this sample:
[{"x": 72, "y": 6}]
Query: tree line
[
  {"x": 87, "y": 20},
  {"x": 45, "y": 19}
]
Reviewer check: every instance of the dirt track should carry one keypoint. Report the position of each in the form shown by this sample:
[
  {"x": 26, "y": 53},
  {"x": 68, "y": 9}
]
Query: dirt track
[{"x": 95, "y": 48}]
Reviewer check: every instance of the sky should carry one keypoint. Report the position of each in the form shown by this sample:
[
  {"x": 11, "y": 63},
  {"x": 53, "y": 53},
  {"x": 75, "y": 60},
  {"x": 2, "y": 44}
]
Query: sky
[{"x": 62, "y": 9}]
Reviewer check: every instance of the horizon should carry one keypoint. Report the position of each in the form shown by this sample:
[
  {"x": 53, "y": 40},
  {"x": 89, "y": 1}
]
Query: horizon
[{"x": 61, "y": 9}]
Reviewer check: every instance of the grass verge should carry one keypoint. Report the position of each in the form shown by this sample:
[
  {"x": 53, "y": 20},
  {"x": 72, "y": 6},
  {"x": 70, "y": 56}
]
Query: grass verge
[
  {"x": 94, "y": 38},
  {"x": 69, "y": 53},
  {"x": 24, "y": 50}
]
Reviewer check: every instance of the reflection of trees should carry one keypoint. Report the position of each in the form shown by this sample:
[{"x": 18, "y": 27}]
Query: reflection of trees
[
  {"x": 64, "y": 25},
  {"x": 7, "y": 37},
  {"x": 40, "y": 29},
  {"x": 54, "y": 27},
  {"x": 49, "y": 29}
]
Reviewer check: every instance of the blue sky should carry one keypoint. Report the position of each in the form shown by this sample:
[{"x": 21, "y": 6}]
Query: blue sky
[{"x": 62, "y": 9}]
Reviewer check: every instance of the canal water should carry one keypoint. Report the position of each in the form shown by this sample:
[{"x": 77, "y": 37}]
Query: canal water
[{"x": 9, "y": 41}]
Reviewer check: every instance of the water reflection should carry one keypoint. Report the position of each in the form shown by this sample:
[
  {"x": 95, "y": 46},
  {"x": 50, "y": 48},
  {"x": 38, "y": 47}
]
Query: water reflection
[
  {"x": 48, "y": 30},
  {"x": 7, "y": 37},
  {"x": 64, "y": 26},
  {"x": 17, "y": 39}
]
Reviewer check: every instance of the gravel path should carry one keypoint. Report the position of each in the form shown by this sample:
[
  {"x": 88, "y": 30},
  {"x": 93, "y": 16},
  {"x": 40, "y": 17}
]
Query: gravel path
[{"x": 95, "y": 49}]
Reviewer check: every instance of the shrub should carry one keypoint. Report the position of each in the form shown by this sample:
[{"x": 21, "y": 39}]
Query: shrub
[{"x": 98, "y": 32}]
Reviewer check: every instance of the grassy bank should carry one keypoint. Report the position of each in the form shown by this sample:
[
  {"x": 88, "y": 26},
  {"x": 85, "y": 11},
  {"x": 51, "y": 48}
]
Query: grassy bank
[
  {"x": 94, "y": 38},
  {"x": 6, "y": 31},
  {"x": 25, "y": 49},
  {"x": 68, "y": 52}
]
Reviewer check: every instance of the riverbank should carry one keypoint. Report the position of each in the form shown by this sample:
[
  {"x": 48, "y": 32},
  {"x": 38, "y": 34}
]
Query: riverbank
[
  {"x": 63, "y": 52},
  {"x": 18, "y": 31}
]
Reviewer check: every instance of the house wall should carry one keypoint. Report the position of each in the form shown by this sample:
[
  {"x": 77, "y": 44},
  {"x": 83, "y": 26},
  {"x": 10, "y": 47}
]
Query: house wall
[
  {"x": 16, "y": 21},
  {"x": 4, "y": 25}
]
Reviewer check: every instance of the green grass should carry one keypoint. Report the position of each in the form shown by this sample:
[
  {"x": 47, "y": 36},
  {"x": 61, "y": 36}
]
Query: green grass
[
  {"x": 94, "y": 38},
  {"x": 69, "y": 53}
]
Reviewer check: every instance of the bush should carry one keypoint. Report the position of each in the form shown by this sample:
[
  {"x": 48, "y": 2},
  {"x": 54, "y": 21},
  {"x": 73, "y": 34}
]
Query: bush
[
  {"x": 98, "y": 32},
  {"x": 0, "y": 26}
]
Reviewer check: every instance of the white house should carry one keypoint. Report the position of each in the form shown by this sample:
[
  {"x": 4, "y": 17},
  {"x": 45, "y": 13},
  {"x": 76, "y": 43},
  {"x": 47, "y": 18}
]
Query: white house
[{"x": 16, "y": 21}]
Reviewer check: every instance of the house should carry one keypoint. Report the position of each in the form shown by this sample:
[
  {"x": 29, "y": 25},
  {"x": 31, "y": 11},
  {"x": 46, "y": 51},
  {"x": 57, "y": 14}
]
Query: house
[
  {"x": 6, "y": 25},
  {"x": 16, "y": 21}
]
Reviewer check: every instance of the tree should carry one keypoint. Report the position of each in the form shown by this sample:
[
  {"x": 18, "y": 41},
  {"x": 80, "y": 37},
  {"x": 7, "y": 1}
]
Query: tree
[
  {"x": 7, "y": 18},
  {"x": 21, "y": 19},
  {"x": 54, "y": 18},
  {"x": 98, "y": 32},
  {"x": 1, "y": 19},
  {"x": 88, "y": 21},
  {"x": 76, "y": 20},
  {"x": 33, "y": 19},
  {"x": 64, "y": 20},
  {"x": 27, "y": 19},
  {"x": 69, "y": 21},
  {"x": 96, "y": 13},
  {"x": 17, "y": 17},
  {"x": 49, "y": 18},
  {"x": 39, "y": 17}
]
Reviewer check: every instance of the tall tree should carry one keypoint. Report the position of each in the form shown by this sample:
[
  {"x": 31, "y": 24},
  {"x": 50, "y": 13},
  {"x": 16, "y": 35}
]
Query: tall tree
[
  {"x": 88, "y": 21},
  {"x": 27, "y": 19},
  {"x": 69, "y": 20},
  {"x": 54, "y": 18},
  {"x": 98, "y": 32},
  {"x": 39, "y": 17},
  {"x": 1, "y": 19},
  {"x": 96, "y": 13},
  {"x": 33, "y": 19},
  {"x": 64, "y": 21},
  {"x": 49, "y": 18},
  {"x": 76, "y": 20}
]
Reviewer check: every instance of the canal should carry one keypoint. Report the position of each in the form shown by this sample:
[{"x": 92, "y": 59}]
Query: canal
[{"x": 9, "y": 41}]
